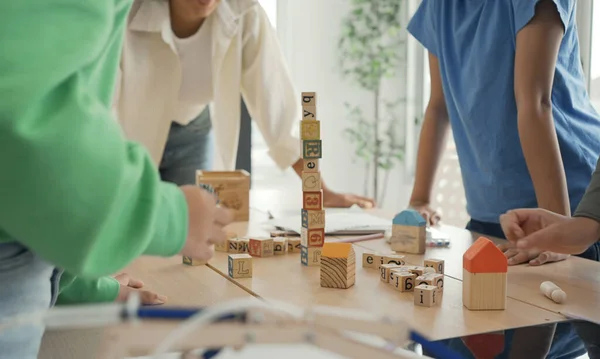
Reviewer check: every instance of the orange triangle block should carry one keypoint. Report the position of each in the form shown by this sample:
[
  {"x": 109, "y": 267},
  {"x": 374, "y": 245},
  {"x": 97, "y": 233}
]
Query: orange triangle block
[{"x": 484, "y": 257}]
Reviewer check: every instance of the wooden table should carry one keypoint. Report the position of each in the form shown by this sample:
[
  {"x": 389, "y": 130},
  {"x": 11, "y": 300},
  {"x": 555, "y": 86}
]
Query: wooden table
[{"x": 183, "y": 285}]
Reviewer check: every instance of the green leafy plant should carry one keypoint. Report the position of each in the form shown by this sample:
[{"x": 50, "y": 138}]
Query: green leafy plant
[{"x": 370, "y": 51}]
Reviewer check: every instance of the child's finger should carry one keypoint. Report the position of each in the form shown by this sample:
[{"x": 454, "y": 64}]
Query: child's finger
[
  {"x": 135, "y": 283},
  {"x": 151, "y": 298},
  {"x": 519, "y": 258}
]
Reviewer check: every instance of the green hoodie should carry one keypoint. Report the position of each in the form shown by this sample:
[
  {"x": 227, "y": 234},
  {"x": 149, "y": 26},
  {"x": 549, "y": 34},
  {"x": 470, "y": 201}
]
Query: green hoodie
[{"x": 72, "y": 189}]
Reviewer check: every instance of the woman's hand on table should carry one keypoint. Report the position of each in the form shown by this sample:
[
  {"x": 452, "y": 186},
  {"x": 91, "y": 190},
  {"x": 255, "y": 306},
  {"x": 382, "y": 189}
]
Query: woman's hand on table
[
  {"x": 129, "y": 285},
  {"x": 344, "y": 200},
  {"x": 542, "y": 230},
  {"x": 431, "y": 216}
]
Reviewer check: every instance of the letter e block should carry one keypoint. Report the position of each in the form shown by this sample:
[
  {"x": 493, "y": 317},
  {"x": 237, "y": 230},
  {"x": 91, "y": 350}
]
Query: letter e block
[{"x": 310, "y": 165}]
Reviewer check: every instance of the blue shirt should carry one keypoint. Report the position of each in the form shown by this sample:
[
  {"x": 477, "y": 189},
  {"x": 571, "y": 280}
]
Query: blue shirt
[{"x": 474, "y": 41}]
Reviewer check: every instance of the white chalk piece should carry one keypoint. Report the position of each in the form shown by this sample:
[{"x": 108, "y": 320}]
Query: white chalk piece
[{"x": 552, "y": 291}]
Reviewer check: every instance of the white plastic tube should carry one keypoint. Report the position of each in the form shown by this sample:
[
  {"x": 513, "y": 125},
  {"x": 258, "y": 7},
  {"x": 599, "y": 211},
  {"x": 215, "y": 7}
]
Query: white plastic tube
[{"x": 552, "y": 291}]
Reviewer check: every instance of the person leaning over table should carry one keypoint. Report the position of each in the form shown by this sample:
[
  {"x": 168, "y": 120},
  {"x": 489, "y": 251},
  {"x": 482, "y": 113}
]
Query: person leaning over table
[
  {"x": 506, "y": 76},
  {"x": 178, "y": 56},
  {"x": 540, "y": 229},
  {"x": 75, "y": 195}
]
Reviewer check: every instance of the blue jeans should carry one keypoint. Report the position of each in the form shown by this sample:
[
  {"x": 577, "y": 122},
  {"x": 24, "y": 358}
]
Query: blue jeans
[
  {"x": 566, "y": 344},
  {"x": 189, "y": 148},
  {"x": 28, "y": 285}
]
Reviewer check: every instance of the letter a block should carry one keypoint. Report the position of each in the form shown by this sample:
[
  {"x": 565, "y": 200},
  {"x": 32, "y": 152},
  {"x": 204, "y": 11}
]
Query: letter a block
[{"x": 240, "y": 265}]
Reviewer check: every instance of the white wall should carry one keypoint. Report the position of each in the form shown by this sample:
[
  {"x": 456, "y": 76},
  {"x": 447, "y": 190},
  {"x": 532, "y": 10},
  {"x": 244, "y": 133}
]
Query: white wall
[{"x": 309, "y": 31}]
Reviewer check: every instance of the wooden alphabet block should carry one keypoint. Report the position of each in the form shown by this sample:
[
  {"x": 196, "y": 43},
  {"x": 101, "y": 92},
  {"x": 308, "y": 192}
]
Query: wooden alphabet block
[
  {"x": 234, "y": 246},
  {"x": 434, "y": 279},
  {"x": 312, "y": 237},
  {"x": 338, "y": 265},
  {"x": 310, "y": 165},
  {"x": 294, "y": 245},
  {"x": 370, "y": 260},
  {"x": 311, "y": 149},
  {"x": 312, "y": 200},
  {"x": 243, "y": 245},
  {"x": 408, "y": 239},
  {"x": 222, "y": 247},
  {"x": 426, "y": 295},
  {"x": 274, "y": 234},
  {"x": 484, "y": 276},
  {"x": 385, "y": 271},
  {"x": 280, "y": 245},
  {"x": 311, "y": 181},
  {"x": 313, "y": 219},
  {"x": 378, "y": 260},
  {"x": 232, "y": 189},
  {"x": 193, "y": 262},
  {"x": 261, "y": 247},
  {"x": 418, "y": 270},
  {"x": 394, "y": 259},
  {"x": 402, "y": 281},
  {"x": 239, "y": 265},
  {"x": 310, "y": 256},
  {"x": 309, "y": 99},
  {"x": 309, "y": 113},
  {"x": 437, "y": 264},
  {"x": 310, "y": 130}
]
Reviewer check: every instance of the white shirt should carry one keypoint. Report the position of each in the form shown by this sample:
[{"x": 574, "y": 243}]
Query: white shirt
[{"x": 196, "y": 92}]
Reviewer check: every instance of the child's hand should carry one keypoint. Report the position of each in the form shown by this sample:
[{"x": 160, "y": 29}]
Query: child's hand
[
  {"x": 534, "y": 257},
  {"x": 430, "y": 215},
  {"x": 206, "y": 223},
  {"x": 130, "y": 285}
]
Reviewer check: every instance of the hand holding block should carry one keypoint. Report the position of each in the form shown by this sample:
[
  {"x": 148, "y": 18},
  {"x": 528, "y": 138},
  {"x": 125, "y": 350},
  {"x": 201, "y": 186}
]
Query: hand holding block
[
  {"x": 261, "y": 247},
  {"x": 338, "y": 265},
  {"x": 239, "y": 266},
  {"x": 310, "y": 165},
  {"x": 313, "y": 219},
  {"x": 394, "y": 259},
  {"x": 294, "y": 245},
  {"x": 437, "y": 264},
  {"x": 310, "y": 256},
  {"x": 311, "y": 149},
  {"x": 552, "y": 291},
  {"x": 279, "y": 245},
  {"x": 309, "y": 99},
  {"x": 311, "y": 237},
  {"x": 425, "y": 295},
  {"x": 312, "y": 200}
]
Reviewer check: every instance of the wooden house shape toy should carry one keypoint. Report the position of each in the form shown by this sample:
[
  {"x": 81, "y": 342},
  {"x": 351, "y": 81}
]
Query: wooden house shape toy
[
  {"x": 484, "y": 276},
  {"x": 408, "y": 232},
  {"x": 338, "y": 265}
]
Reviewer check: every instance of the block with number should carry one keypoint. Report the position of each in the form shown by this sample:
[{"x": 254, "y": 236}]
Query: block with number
[
  {"x": 310, "y": 165},
  {"x": 434, "y": 279},
  {"x": 239, "y": 265},
  {"x": 385, "y": 271},
  {"x": 309, "y": 113},
  {"x": 309, "y": 99},
  {"x": 310, "y": 130},
  {"x": 402, "y": 281},
  {"x": 294, "y": 245},
  {"x": 310, "y": 256},
  {"x": 261, "y": 247},
  {"x": 193, "y": 262},
  {"x": 280, "y": 245},
  {"x": 426, "y": 295},
  {"x": 338, "y": 265},
  {"x": 312, "y": 237},
  {"x": 437, "y": 264},
  {"x": 394, "y": 259},
  {"x": 311, "y": 149},
  {"x": 312, "y": 200},
  {"x": 313, "y": 219}
]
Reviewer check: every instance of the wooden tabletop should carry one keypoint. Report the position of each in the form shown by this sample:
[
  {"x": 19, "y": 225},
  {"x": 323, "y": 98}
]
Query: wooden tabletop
[{"x": 183, "y": 286}]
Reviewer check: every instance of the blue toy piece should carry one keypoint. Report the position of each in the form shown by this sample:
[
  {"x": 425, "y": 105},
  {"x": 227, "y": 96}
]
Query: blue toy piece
[{"x": 409, "y": 217}]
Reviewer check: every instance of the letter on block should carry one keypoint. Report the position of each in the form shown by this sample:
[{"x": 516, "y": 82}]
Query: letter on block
[
  {"x": 310, "y": 130},
  {"x": 408, "y": 232},
  {"x": 402, "y": 281},
  {"x": 309, "y": 99},
  {"x": 312, "y": 237},
  {"x": 311, "y": 149},
  {"x": 484, "y": 276},
  {"x": 370, "y": 260},
  {"x": 434, "y": 279},
  {"x": 313, "y": 219},
  {"x": 394, "y": 259},
  {"x": 437, "y": 264},
  {"x": 294, "y": 245},
  {"x": 385, "y": 271},
  {"x": 312, "y": 200},
  {"x": 309, "y": 113},
  {"x": 243, "y": 245},
  {"x": 310, "y": 165},
  {"x": 240, "y": 266},
  {"x": 426, "y": 295},
  {"x": 310, "y": 256},
  {"x": 280, "y": 245},
  {"x": 338, "y": 265},
  {"x": 261, "y": 247}
]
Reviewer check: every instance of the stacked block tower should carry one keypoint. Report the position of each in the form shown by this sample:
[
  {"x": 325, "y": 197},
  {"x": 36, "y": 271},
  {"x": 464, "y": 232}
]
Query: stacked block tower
[{"x": 313, "y": 215}]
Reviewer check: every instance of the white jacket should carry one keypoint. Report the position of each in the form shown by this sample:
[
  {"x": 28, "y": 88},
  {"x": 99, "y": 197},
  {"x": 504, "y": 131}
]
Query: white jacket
[{"x": 246, "y": 60}]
